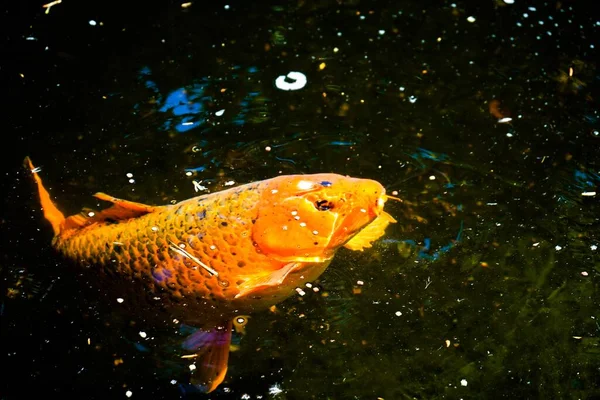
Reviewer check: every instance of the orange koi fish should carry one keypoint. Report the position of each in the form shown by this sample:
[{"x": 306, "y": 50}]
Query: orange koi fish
[{"x": 212, "y": 257}]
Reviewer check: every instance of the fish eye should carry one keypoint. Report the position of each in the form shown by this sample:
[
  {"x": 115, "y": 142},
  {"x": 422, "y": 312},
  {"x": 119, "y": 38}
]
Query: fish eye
[{"x": 323, "y": 205}]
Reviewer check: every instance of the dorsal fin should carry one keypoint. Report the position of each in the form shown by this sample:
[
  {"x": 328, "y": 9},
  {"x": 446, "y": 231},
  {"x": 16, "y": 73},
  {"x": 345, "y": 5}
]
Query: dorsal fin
[{"x": 120, "y": 210}]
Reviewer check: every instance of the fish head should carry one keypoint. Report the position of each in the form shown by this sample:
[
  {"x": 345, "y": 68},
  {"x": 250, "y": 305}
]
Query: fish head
[{"x": 306, "y": 218}]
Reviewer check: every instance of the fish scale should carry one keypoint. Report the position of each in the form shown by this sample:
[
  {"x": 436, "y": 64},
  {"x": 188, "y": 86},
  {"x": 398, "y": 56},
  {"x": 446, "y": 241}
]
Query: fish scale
[{"x": 196, "y": 225}]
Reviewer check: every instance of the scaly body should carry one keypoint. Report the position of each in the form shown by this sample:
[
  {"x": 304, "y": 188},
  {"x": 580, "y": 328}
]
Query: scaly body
[{"x": 209, "y": 257}]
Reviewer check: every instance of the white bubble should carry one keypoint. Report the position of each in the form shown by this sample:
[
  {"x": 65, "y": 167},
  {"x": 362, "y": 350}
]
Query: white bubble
[
  {"x": 92, "y": 22},
  {"x": 220, "y": 112},
  {"x": 471, "y": 19}
]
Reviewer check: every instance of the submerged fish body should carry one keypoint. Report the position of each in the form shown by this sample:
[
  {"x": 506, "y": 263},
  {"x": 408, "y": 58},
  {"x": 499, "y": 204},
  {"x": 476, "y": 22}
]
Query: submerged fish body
[{"x": 211, "y": 257}]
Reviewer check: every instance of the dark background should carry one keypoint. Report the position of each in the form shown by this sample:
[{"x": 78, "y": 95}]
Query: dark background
[{"x": 521, "y": 317}]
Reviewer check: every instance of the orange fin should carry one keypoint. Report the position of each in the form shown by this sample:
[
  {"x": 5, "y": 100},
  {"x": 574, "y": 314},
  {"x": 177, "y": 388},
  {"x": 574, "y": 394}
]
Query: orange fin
[
  {"x": 370, "y": 233},
  {"x": 212, "y": 353},
  {"x": 120, "y": 210},
  {"x": 51, "y": 212},
  {"x": 256, "y": 282},
  {"x": 129, "y": 209}
]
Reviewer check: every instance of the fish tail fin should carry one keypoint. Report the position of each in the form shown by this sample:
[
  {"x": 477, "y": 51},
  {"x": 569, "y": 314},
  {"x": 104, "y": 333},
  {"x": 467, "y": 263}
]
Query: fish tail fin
[
  {"x": 212, "y": 351},
  {"x": 51, "y": 212}
]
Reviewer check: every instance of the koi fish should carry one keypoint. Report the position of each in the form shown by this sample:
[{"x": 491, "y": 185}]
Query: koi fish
[{"x": 212, "y": 257}]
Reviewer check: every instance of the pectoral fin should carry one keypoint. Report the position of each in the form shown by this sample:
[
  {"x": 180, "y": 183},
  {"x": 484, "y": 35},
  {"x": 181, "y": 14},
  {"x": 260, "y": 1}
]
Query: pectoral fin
[
  {"x": 257, "y": 282},
  {"x": 212, "y": 353},
  {"x": 370, "y": 233}
]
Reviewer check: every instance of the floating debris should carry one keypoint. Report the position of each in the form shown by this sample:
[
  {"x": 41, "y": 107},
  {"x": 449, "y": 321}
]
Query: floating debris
[
  {"x": 198, "y": 187},
  {"x": 179, "y": 250},
  {"x": 298, "y": 81},
  {"x": 49, "y": 5}
]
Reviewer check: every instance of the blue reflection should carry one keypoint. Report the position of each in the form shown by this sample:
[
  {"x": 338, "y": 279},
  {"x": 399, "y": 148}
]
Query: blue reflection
[
  {"x": 338, "y": 143},
  {"x": 424, "y": 250},
  {"x": 424, "y": 154},
  {"x": 140, "y": 347},
  {"x": 586, "y": 180},
  {"x": 201, "y": 168},
  {"x": 190, "y": 105}
]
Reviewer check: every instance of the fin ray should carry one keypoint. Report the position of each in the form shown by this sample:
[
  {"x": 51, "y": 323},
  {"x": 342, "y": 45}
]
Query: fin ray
[
  {"x": 258, "y": 281},
  {"x": 120, "y": 210},
  {"x": 370, "y": 233},
  {"x": 51, "y": 212},
  {"x": 212, "y": 348}
]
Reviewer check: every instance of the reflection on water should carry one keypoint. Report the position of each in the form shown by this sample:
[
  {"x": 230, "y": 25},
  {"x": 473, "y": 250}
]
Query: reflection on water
[{"x": 481, "y": 117}]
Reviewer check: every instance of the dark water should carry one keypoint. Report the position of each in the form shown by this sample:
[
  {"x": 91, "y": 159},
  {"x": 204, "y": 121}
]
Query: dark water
[{"x": 488, "y": 287}]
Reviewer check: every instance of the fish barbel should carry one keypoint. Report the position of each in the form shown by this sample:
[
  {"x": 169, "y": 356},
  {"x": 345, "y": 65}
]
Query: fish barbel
[{"x": 211, "y": 257}]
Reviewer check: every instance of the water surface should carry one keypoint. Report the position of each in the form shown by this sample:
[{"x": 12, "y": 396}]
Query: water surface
[{"x": 483, "y": 117}]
